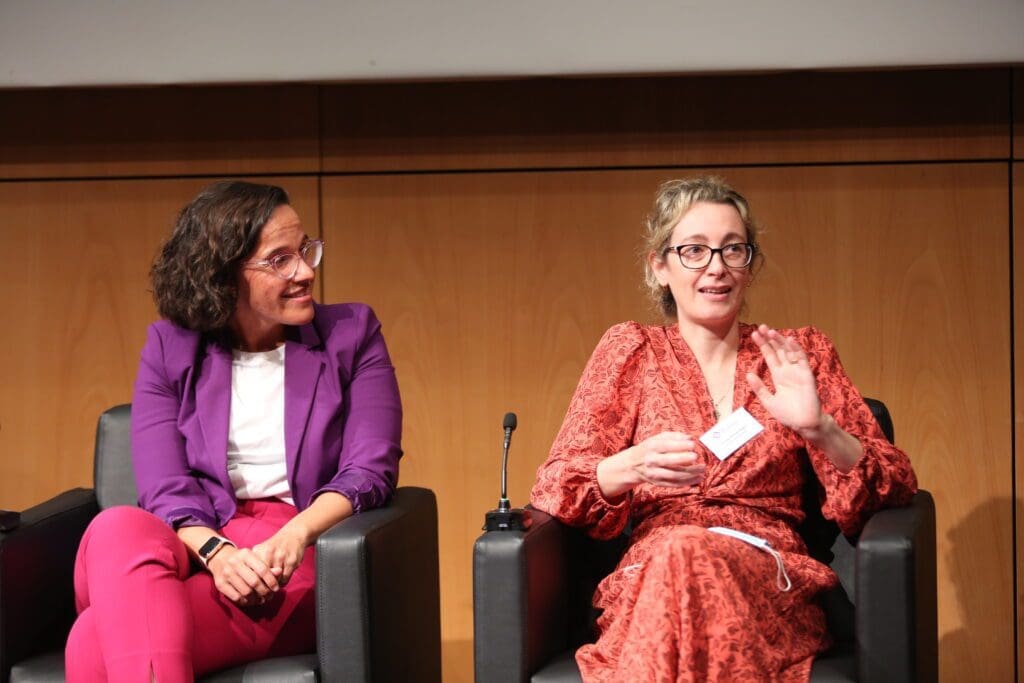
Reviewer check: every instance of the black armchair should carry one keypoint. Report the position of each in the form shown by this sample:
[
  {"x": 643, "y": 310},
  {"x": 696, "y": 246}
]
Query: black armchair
[
  {"x": 378, "y": 613},
  {"x": 532, "y": 595}
]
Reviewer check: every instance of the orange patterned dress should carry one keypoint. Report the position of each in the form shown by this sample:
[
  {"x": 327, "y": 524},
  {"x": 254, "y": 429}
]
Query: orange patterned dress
[{"x": 685, "y": 604}]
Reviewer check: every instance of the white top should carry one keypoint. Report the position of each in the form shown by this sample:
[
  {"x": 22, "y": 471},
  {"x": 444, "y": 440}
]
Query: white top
[{"x": 256, "y": 463}]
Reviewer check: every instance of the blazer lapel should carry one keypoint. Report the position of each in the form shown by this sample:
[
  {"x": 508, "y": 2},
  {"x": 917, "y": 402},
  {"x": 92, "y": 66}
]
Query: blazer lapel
[
  {"x": 302, "y": 367},
  {"x": 213, "y": 405}
]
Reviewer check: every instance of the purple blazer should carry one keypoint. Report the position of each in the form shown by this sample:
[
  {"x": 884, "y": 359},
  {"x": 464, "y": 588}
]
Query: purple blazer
[{"x": 342, "y": 417}]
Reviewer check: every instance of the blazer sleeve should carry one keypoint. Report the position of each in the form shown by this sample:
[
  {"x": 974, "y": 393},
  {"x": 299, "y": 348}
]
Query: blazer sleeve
[
  {"x": 167, "y": 487},
  {"x": 883, "y": 476},
  {"x": 601, "y": 421},
  {"x": 372, "y": 431}
]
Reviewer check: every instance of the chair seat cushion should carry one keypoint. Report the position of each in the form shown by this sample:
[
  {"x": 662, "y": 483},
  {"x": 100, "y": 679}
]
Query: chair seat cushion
[
  {"x": 49, "y": 668},
  {"x": 561, "y": 669},
  {"x": 44, "y": 668},
  {"x": 832, "y": 667},
  {"x": 297, "y": 669},
  {"x": 835, "y": 667}
]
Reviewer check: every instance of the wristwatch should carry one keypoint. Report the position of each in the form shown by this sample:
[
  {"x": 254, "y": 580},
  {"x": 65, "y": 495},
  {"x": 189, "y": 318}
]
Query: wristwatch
[{"x": 211, "y": 548}]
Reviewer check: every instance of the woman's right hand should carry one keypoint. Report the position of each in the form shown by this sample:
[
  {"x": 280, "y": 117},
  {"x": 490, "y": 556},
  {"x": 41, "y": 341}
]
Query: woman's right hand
[
  {"x": 665, "y": 459},
  {"x": 242, "y": 576}
]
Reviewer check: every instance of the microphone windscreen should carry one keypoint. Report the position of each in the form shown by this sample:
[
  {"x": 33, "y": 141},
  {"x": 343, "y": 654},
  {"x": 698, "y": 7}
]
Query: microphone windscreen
[{"x": 510, "y": 421}]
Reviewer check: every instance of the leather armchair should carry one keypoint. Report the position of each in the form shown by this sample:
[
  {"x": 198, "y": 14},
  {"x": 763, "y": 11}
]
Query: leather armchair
[
  {"x": 378, "y": 608},
  {"x": 532, "y": 595}
]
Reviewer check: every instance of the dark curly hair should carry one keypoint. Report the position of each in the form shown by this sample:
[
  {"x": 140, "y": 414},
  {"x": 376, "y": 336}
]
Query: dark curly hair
[{"x": 195, "y": 276}]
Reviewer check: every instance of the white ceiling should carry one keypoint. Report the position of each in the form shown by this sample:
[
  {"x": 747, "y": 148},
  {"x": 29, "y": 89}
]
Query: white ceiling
[{"x": 128, "y": 42}]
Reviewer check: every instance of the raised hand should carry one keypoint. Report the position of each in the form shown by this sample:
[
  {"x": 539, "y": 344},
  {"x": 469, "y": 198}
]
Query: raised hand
[{"x": 795, "y": 402}]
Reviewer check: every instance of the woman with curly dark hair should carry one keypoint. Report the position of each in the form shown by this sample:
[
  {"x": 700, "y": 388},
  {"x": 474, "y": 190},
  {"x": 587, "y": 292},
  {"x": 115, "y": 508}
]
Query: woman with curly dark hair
[{"x": 259, "y": 420}]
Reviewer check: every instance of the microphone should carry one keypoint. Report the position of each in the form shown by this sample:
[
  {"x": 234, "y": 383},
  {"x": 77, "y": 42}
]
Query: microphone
[
  {"x": 509, "y": 424},
  {"x": 505, "y": 518}
]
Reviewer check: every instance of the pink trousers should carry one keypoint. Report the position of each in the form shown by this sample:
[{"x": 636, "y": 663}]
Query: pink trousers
[{"x": 144, "y": 614}]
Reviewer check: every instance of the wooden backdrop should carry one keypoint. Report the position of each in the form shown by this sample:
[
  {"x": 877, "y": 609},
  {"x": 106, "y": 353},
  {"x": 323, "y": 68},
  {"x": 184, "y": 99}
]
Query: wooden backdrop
[{"x": 493, "y": 226}]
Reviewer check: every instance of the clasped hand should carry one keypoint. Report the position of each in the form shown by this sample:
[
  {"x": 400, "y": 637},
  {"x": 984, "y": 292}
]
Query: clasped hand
[
  {"x": 251, "y": 576},
  {"x": 665, "y": 459}
]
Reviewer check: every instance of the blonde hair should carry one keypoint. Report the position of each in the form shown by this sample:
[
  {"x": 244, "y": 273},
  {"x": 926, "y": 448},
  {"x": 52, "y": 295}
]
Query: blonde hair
[{"x": 675, "y": 198}]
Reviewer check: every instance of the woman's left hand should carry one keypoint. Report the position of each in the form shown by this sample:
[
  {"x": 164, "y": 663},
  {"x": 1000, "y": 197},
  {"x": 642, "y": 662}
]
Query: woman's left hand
[
  {"x": 282, "y": 552},
  {"x": 795, "y": 402}
]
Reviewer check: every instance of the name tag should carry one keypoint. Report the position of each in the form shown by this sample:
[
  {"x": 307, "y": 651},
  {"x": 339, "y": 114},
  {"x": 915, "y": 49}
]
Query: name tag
[{"x": 731, "y": 433}]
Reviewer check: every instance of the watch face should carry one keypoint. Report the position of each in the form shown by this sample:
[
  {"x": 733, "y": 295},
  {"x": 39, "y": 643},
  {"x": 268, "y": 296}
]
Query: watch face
[{"x": 210, "y": 546}]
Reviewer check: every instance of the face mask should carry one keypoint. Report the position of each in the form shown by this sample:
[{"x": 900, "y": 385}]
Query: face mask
[{"x": 781, "y": 578}]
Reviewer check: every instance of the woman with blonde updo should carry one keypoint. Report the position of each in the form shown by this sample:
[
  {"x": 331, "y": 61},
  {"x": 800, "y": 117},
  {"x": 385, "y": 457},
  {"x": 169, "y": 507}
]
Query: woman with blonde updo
[{"x": 703, "y": 432}]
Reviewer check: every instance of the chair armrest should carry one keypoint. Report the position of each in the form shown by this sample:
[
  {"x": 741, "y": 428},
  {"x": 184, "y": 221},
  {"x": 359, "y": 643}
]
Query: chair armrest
[
  {"x": 378, "y": 593},
  {"x": 37, "y": 560},
  {"x": 897, "y": 622},
  {"x": 520, "y": 607}
]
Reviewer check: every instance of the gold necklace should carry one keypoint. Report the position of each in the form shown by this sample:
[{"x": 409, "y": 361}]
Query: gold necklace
[{"x": 714, "y": 406}]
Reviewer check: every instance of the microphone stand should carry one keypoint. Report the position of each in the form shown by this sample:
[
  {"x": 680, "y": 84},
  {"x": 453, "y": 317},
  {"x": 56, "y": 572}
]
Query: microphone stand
[{"x": 505, "y": 517}]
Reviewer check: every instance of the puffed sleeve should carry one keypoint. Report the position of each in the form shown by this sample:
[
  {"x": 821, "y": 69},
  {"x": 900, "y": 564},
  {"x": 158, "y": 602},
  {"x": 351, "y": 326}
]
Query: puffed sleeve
[
  {"x": 370, "y": 450},
  {"x": 883, "y": 476},
  {"x": 600, "y": 422},
  {"x": 166, "y": 485}
]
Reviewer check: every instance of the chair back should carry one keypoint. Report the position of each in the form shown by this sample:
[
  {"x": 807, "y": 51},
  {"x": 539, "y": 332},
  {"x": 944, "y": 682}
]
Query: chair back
[
  {"x": 827, "y": 545},
  {"x": 113, "y": 476}
]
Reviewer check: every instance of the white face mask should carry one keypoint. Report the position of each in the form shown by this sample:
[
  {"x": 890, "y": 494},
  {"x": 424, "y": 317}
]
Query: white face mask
[{"x": 781, "y": 578}]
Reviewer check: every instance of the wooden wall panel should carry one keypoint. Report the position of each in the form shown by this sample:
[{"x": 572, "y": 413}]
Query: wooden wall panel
[
  {"x": 694, "y": 120},
  {"x": 1018, "y": 388},
  {"x": 903, "y": 267},
  {"x": 494, "y": 288},
  {"x": 86, "y": 133},
  {"x": 78, "y": 294}
]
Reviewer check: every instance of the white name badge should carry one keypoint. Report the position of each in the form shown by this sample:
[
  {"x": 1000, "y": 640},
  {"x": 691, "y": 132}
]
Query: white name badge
[{"x": 731, "y": 433}]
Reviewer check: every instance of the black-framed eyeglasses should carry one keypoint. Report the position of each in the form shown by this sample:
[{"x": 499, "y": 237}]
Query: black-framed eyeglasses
[
  {"x": 697, "y": 256},
  {"x": 286, "y": 265}
]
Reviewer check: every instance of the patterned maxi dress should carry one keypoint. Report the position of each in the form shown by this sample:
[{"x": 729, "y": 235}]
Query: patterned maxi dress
[{"x": 685, "y": 604}]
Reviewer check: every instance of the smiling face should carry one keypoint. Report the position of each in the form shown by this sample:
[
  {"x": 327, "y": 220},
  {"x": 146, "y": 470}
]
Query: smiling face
[
  {"x": 266, "y": 302},
  {"x": 712, "y": 296}
]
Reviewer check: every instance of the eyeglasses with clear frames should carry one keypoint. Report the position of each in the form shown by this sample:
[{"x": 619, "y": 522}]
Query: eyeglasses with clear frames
[
  {"x": 697, "y": 256},
  {"x": 286, "y": 265}
]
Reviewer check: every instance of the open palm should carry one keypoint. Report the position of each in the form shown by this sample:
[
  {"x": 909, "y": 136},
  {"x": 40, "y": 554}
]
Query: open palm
[{"x": 795, "y": 402}]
